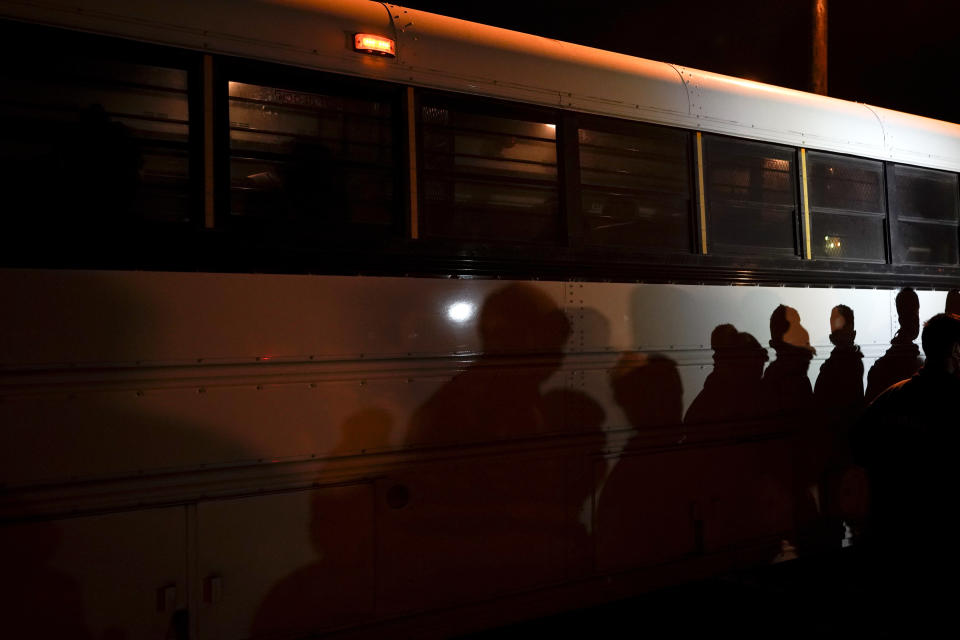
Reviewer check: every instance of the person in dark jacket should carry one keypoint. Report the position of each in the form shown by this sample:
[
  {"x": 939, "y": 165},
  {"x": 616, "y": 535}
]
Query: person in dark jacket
[{"x": 907, "y": 440}]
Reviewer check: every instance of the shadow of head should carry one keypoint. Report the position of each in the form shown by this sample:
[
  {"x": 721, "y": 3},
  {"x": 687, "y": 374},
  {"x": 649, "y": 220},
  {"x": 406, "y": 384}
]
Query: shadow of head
[
  {"x": 786, "y": 330},
  {"x": 522, "y": 319},
  {"x": 953, "y": 302},
  {"x": 908, "y": 313},
  {"x": 737, "y": 350},
  {"x": 842, "y": 331},
  {"x": 649, "y": 389}
]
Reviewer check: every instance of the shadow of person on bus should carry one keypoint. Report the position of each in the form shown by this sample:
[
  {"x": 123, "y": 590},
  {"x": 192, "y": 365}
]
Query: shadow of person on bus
[
  {"x": 338, "y": 588},
  {"x": 786, "y": 384},
  {"x": 485, "y": 513},
  {"x": 902, "y": 359},
  {"x": 838, "y": 394},
  {"x": 492, "y": 399},
  {"x": 732, "y": 392},
  {"x": 649, "y": 390},
  {"x": 953, "y": 302},
  {"x": 789, "y": 404}
]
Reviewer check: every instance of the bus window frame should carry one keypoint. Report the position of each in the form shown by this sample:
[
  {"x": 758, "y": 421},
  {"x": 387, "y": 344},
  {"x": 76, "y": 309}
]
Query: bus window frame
[
  {"x": 279, "y": 76},
  {"x": 624, "y": 127},
  {"x": 799, "y": 238},
  {"x": 151, "y": 244},
  {"x": 497, "y": 108},
  {"x": 893, "y": 214},
  {"x": 191, "y": 247},
  {"x": 884, "y": 216}
]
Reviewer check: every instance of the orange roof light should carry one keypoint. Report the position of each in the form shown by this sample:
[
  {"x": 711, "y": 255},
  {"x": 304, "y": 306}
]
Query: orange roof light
[{"x": 369, "y": 43}]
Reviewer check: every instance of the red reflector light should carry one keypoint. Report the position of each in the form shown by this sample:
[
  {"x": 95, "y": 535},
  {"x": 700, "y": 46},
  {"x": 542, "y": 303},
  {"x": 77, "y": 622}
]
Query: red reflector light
[{"x": 369, "y": 43}]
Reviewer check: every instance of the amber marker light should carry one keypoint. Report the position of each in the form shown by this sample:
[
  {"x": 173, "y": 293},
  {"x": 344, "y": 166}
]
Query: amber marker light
[{"x": 369, "y": 43}]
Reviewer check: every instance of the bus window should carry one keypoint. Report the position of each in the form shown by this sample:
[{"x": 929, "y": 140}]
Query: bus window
[
  {"x": 635, "y": 187},
  {"x": 93, "y": 141},
  {"x": 924, "y": 205},
  {"x": 310, "y": 161},
  {"x": 487, "y": 176},
  {"x": 847, "y": 208},
  {"x": 751, "y": 197}
]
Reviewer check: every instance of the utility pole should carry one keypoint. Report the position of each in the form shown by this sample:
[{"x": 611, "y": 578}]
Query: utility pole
[{"x": 818, "y": 67}]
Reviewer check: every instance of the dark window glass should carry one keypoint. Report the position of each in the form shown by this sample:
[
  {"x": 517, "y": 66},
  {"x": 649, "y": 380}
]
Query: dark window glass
[
  {"x": 926, "y": 194},
  {"x": 748, "y": 229},
  {"x": 925, "y": 207},
  {"x": 927, "y": 243},
  {"x": 750, "y": 197},
  {"x": 92, "y": 142},
  {"x": 847, "y": 208},
  {"x": 488, "y": 177},
  {"x": 301, "y": 159},
  {"x": 845, "y": 184},
  {"x": 635, "y": 188},
  {"x": 843, "y": 237}
]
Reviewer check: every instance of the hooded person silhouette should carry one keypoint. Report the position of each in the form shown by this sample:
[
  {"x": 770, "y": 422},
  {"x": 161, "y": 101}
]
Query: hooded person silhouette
[
  {"x": 902, "y": 359},
  {"x": 786, "y": 385},
  {"x": 732, "y": 392},
  {"x": 838, "y": 394},
  {"x": 907, "y": 441}
]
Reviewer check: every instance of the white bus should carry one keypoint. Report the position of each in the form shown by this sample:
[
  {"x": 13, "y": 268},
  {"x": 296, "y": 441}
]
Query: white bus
[{"x": 336, "y": 317}]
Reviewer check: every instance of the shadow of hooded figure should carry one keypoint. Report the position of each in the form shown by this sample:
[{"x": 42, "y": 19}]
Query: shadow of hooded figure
[
  {"x": 789, "y": 401},
  {"x": 492, "y": 400},
  {"x": 650, "y": 392},
  {"x": 733, "y": 390},
  {"x": 786, "y": 384},
  {"x": 953, "y": 302},
  {"x": 839, "y": 399},
  {"x": 649, "y": 389},
  {"x": 337, "y": 588},
  {"x": 902, "y": 359}
]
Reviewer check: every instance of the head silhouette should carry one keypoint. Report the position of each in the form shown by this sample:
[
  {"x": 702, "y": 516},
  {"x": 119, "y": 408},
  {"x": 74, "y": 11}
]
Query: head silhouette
[
  {"x": 723, "y": 336},
  {"x": 953, "y": 302},
  {"x": 841, "y": 325},
  {"x": 649, "y": 389},
  {"x": 941, "y": 342},
  {"x": 908, "y": 312},
  {"x": 786, "y": 330},
  {"x": 521, "y": 318}
]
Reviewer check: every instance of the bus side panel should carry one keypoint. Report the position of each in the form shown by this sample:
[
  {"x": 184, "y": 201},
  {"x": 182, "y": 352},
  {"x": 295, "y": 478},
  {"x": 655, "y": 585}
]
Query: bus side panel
[
  {"x": 90, "y": 318},
  {"x": 115, "y": 575},
  {"x": 454, "y": 532}
]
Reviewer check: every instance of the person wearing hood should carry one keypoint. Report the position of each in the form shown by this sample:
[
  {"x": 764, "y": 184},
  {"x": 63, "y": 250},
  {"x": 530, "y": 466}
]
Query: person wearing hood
[
  {"x": 907, "y": 442},
  {"x": 785, "y": 382},
  {"x": 838, "y": 395}
]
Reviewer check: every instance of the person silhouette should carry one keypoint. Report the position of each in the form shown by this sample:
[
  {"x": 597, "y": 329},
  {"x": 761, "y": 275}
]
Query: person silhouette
[
  {"x": 785, "y": 382},
  {"x": 902, "y": 359},
  {"x": 788, "y": 397},
  {"x": 953, "y": 302},
  {"x": 485, "y": 402},
  {"x": 335, "y": 588},
  {"x": 907, "y": 442},
  {"x": 732, "y": 391},
  {"x": 838, "y": 395},
  {"x": 839, "y": 385},
  {"x": 649, "y": 390}
]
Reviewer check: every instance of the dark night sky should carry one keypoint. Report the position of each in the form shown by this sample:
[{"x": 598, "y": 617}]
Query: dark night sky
[{"x": 903, "y": 55}]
